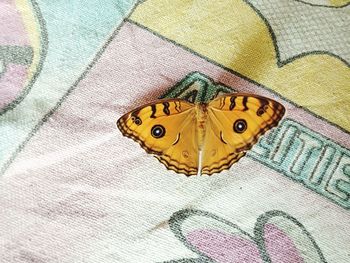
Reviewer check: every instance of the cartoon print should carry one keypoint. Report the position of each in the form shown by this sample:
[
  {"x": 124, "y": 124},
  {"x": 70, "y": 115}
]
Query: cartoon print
[{"x": 277, "y": 238}]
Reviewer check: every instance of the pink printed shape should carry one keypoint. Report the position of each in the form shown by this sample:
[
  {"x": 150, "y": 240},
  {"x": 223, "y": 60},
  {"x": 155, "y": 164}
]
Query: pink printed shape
[
  {"x": 279, "y": 246},
  {"x": 12, "y": 30},
  {"x": 11, "y": 83},
  {"x": 224, "y": 248}
]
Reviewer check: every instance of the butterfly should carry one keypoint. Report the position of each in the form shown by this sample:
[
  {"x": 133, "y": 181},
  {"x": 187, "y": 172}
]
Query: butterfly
[{"x": 201, "y": 138}]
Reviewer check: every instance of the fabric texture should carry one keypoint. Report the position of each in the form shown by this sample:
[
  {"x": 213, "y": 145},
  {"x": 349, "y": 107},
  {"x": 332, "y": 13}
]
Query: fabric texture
[{"x": 74, "y": 189}]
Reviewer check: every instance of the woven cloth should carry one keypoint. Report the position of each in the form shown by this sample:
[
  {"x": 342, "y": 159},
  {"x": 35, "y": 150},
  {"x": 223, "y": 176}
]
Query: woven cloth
[{"x": 73, "y": 189}]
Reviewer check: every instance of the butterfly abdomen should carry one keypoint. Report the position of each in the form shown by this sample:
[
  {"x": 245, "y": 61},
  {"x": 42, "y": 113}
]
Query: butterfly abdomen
[{"x": 202, "y": 117}]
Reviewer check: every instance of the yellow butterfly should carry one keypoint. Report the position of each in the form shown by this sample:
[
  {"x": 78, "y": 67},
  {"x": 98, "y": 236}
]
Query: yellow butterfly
[{"x": 201, "y": 138}]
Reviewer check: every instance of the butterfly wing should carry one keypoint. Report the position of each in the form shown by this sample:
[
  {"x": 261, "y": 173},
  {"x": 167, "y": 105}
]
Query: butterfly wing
[
  {"x": 234, "y": 125},
  {"x": 166, "y": 129},
  {"x": 216, "y": 154}
]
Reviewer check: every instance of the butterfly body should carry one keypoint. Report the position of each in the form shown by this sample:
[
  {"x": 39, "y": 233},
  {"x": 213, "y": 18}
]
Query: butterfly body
[
  {"x": 177, "y": 131},
  {"x": 202, "y": 116}
]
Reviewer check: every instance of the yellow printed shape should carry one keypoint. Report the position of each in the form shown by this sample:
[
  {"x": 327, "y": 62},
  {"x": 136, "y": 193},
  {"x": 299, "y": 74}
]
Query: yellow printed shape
[
  {"x": 233, "y": 34},
  {"x": 338, "y": 2},
  {"x": 326, "y": 3}
]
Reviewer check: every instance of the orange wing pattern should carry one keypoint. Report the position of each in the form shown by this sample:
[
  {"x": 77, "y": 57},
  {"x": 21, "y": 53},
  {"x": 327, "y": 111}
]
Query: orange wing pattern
[
  {"x": 166, "y": 129},
  {"x": 235, "y": 122},
  {"x": 175, "y": 130}
]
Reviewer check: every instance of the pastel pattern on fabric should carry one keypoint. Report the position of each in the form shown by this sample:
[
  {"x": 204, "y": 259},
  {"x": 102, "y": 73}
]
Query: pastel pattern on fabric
[
  {"x": 65, "y": 40},
  {"x": 73, "y": 189},
  {"x": 22, "y": 40},
  {"x": 234, "y": 34},
  {"x": 278, "y": 238}
]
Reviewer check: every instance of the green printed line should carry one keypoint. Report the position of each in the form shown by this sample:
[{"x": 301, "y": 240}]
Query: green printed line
[{"x": 309, "y": 158}]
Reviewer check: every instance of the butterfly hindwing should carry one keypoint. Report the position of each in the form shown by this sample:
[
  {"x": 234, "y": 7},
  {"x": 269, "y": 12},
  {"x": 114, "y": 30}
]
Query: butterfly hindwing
[
  {"x": 234, "y": 124},
  {"x": 166, "y": 129},
  {"x": 217, "y": 155}
]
